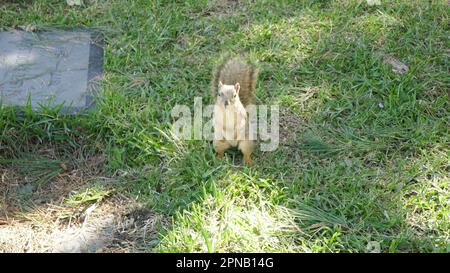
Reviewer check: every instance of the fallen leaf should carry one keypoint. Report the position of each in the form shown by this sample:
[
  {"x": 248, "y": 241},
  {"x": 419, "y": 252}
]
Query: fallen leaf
[
  {"x": 74, "y": 2},
  {"x": 397, "y": 66},
  {"x": 373, "y": 247},
  {"x": 317, "y": 225},
  {"x": 373, "y": 2},
  {"x": 29, "y": 28},
  {"x": 63, "y": 166}
]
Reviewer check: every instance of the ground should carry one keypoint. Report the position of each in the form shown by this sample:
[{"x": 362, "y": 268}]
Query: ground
[{"x": 362, "y": 164}]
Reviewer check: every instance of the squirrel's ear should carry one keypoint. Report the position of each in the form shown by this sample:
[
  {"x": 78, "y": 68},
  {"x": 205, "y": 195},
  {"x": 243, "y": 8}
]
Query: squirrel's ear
[
  {"x": 237, "y": 86},
  {"x": 220, "y": 84}
]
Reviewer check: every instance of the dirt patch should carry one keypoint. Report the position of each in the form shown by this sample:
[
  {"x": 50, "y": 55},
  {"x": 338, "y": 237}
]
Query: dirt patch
[
  {"x": 47, "y": 176},
  {"x": 397, "y": 66},
  {"x": 136, "y": 231},
  {"x": 117, "y": 224},
  {"x": 290, "y": 125},
  {"x": 221, "y": 8},
  {"x": 61, "y": 200}
]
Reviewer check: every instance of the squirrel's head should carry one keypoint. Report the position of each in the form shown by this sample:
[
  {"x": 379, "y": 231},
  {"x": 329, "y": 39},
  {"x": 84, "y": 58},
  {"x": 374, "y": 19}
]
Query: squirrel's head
[{"x": 228, "y": 94}]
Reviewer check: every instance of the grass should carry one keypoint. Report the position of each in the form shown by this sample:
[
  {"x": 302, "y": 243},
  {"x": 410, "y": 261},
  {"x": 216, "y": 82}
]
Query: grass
[{"x": 365, "y": 157}]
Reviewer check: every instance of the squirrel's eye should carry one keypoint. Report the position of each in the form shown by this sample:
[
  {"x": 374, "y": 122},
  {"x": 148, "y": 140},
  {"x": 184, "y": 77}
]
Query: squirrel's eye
[{"x": 234, "y": 96}]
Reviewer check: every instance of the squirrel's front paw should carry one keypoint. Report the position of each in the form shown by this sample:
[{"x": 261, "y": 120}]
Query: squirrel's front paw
[{"x": 248, "y": 160}]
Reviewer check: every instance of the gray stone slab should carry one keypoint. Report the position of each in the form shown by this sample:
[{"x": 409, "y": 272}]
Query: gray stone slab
[{"x": 50, "y": 68}]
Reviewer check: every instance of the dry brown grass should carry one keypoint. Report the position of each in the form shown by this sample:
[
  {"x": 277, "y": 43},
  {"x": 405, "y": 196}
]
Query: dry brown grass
[{"x": 38, "y": 218}]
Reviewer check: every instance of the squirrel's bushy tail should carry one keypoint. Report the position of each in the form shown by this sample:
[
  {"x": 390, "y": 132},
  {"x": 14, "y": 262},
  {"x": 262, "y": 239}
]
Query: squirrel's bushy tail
[{"x": 231, "y": 70}]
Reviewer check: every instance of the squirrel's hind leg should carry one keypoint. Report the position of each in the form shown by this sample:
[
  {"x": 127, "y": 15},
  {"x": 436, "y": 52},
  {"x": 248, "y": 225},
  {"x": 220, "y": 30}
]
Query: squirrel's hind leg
[
  {"x": 220, "y": 146},
  {"x": 246, "y": 147}
]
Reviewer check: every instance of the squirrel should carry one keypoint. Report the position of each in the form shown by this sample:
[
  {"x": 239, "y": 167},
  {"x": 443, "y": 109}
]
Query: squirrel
[{"x": 233, "y": 86}]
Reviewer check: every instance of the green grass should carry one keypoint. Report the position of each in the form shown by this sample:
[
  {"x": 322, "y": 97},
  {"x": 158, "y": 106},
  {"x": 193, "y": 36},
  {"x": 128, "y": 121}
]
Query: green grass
[
  {"x": 368, "y": 160},
  {"x": 95, "y": 193}
]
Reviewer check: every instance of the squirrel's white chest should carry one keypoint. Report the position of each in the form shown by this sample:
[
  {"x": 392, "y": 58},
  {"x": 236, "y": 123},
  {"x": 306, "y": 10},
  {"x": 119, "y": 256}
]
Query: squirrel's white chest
[{"x": 230, "y": 123}]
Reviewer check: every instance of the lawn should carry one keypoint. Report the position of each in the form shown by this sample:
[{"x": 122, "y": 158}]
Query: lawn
[{"x": 363, "y": 160}]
